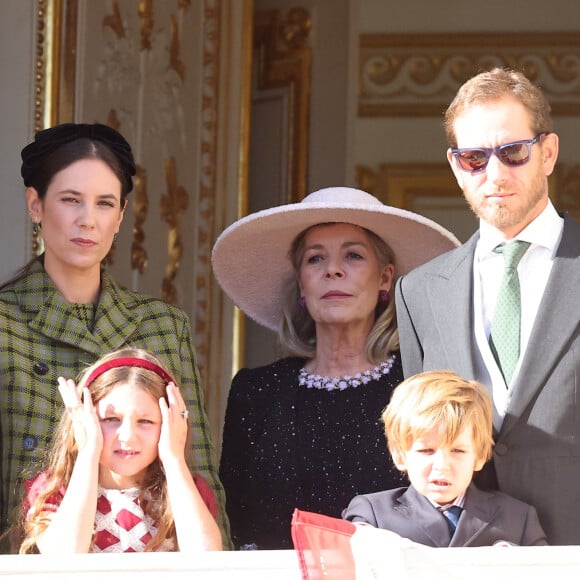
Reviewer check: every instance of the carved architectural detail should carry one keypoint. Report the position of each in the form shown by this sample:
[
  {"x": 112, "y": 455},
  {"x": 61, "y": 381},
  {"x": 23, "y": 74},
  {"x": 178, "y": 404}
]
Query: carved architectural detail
[
  {"x": 146, "y": 19},
  {"x": 207, "y": 183},
  {"x": 43, "y": 44},
  {"x": 398, "y": 184},
  {"x": 420, "y": 74},
  {"x": 175, "y": 62},
  {"x": 115, "y": 22},
  {"x": 567, "y": 198},
  {"x": 284, "y": 60},
  {"x": 172, "y": 205},
  {"x": 139, "y": 256}
]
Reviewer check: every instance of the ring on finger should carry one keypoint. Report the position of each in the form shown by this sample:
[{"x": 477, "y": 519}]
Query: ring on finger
[{"x": 184, "y": 413}]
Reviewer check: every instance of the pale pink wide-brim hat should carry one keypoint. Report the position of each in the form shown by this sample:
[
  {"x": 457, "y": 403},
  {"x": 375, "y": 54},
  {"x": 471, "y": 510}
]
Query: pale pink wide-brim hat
[{"x": 250, "y": 258}]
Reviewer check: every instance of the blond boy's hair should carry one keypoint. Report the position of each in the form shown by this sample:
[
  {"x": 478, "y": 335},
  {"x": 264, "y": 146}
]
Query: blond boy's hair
[{"x": 441, "y": 400}]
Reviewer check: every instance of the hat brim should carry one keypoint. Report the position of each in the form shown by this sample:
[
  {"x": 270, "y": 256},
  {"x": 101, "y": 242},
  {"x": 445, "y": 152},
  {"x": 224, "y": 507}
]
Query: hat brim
[{"x": 250, "y": 257}]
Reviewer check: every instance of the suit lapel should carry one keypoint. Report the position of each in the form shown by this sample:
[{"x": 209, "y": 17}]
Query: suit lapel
[
  {"x": 427, "y": 525},
  {"x": 479, "y": 512},
  {"x": 557, "y": 320},
  {"x": 450, "y": 294}
]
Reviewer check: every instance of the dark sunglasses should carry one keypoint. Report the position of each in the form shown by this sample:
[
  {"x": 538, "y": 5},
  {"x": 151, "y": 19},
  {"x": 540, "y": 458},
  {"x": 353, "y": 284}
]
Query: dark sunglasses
[{"x": 475, "y": 159}]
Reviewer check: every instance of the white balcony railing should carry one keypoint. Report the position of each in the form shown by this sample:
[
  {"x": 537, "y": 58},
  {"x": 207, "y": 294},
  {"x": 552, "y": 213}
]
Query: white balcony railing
[{"x": 553, "y": 562}]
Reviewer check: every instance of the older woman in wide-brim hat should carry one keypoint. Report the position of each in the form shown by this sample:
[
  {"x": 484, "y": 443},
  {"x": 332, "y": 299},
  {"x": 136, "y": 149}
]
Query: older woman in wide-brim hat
[{"x": 304, "y": 431}]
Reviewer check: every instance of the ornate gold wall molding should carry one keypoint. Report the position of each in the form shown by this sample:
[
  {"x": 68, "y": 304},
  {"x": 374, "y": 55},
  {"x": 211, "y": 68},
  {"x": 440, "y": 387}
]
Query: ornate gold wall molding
[
  {"x": 419, "y": 74},
  {"x": 567, "y": 190},
  {"x": 398, "y": 184},
  {"x": 283, "y": 60},
  {"x": 208, "y": 146},
  {"x": 139, "y": 257},
  {"x": 55, "y": 65},
  {"x": 173, "y": 205}
]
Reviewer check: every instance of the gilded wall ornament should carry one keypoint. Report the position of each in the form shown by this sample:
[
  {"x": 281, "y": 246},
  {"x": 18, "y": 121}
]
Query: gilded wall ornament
[
  {"x": 139, "y": 257},
  {"x": 418, "y": 75},
  {"x": 172, "y": 205}
]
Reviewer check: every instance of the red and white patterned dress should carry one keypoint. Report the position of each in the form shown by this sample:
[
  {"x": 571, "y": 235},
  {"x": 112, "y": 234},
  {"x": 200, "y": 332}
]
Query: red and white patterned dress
[
  {"x": 120, "y": 522},
  {"x": 121, "y": 525}
]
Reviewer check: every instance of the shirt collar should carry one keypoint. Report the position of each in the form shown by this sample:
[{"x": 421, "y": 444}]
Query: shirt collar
[
  {"x": 459, "y": 501},
  {"x": 544, "y": 231}
]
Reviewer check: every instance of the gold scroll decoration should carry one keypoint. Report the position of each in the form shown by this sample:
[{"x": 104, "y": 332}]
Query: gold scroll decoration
[
  {"x": 173, "y": 204},
  {"x": 114, "y": 21},
  {"x": 566, "y": 197},
  {"x": 139, "y": 257},
  {"x": 146, "y": 22},
  {"x": 419, "y": 74}
]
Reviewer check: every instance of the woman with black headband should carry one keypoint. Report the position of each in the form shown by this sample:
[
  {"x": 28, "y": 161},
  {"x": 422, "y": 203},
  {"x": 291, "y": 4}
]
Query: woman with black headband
[{"x": 63, "y": 310}]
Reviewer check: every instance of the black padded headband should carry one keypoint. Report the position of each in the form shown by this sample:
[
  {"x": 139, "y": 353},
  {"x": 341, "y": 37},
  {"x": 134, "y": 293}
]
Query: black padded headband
[{"x": 49, "y": 140}]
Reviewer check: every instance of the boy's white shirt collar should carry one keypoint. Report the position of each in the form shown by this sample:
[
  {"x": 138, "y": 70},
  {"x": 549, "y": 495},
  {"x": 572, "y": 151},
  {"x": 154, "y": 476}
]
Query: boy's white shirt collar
[{"x": 459, "y": 501}]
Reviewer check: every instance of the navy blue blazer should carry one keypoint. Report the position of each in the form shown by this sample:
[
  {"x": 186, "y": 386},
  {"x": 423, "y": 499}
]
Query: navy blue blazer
[{"x": 487, "y": 517}]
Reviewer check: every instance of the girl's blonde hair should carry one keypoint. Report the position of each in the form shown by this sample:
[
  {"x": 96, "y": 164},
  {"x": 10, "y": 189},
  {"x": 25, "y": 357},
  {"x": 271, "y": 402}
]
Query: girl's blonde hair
[
  {"x": 438, "y": 400},
  {"x": 63, "y": 453}
]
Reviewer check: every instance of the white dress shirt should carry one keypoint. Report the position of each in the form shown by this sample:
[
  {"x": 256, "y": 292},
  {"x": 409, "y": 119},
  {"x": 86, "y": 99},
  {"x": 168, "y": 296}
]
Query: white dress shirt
[{"x": 544, "y": 235}]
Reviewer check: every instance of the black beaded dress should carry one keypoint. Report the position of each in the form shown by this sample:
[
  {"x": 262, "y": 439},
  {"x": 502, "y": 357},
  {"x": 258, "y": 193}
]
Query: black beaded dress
[{"x": 287, "y": 445}]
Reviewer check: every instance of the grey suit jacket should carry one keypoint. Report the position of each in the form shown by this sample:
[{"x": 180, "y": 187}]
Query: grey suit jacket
[
  {"x": 537, "y": 451},
  {"x": 487, "y": 517}
]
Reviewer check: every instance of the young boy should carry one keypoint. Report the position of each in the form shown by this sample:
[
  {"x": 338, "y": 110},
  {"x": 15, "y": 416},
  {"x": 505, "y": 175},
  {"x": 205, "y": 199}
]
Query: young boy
[{"x": 439, "y": 430}]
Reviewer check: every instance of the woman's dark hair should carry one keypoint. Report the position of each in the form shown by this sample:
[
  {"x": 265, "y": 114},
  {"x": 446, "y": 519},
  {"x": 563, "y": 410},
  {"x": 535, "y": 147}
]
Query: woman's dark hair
[
  {"x": 56, "y": 148},
  {"x": 78, "y": 150}
]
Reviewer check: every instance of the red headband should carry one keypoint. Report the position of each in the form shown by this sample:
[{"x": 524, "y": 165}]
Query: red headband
[{"x": 128, "y": 361}]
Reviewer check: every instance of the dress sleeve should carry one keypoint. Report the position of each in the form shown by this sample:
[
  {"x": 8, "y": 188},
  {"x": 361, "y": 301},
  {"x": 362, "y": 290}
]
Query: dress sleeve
[
  {"x": 206, "y": 494},
  {"x": 236, "y": 444},
  {"x": 33, "y": 487}
]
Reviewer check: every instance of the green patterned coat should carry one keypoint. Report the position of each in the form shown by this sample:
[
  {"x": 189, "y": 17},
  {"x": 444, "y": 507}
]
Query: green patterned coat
[{"x": 43, "y": 337}]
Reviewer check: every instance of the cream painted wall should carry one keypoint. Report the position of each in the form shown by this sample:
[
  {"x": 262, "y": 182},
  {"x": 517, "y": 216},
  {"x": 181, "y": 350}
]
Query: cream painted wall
[{"x": 16, "y": 128}]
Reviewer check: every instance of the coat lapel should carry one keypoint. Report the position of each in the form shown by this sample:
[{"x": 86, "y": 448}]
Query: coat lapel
[
  {"x": 52, "y": 316},
  {"x": 555, "y": 324},
  {"x": 450, "y": 294}
]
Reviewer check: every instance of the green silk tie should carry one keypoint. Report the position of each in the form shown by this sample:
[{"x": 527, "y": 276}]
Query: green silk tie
[{"x": 504, "y": 338}]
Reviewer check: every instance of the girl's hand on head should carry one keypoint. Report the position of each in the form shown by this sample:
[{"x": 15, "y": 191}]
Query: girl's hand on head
[
  {"x": 85, "y": 421},
  {"x": 174, "y": 425}
]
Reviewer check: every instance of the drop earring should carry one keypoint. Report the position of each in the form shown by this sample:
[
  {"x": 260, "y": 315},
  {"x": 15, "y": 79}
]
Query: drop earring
[
  {"x": 35, "y": 227},
  {"x": 383, "y": 295}
]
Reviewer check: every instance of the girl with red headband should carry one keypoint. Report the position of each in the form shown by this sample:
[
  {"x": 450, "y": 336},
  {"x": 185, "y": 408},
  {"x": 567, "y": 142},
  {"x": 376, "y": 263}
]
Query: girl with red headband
[{"x": 117, "y": 466}]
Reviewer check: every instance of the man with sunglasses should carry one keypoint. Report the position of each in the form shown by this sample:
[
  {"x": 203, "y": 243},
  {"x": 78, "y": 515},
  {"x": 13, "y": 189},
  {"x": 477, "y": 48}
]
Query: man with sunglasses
[{"x": 502, "y": 150}]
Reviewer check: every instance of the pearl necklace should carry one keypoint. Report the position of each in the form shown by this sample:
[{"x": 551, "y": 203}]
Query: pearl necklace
[{"x": 341, "y": 383}]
